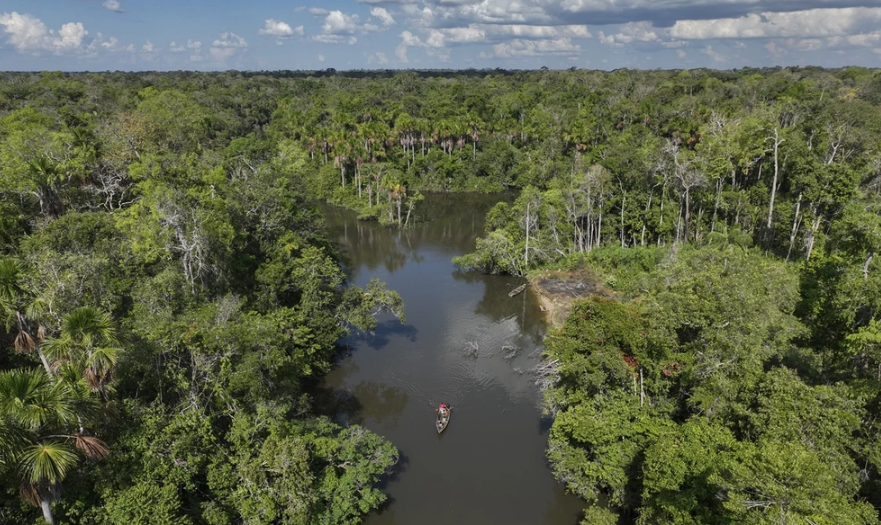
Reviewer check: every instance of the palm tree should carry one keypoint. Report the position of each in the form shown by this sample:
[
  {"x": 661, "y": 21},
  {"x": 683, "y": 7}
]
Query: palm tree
[
  {"x": 18, "y": 309},
  {"x": 35, "y": 415},
  {"x": 87, "y": 342},
  {"x": 45, "y": 173}
]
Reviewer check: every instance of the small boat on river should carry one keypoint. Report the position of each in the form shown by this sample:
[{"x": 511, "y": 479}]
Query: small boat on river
[
  {"x": 517, "y": 290},
  {"x": 443, "y": 419}
]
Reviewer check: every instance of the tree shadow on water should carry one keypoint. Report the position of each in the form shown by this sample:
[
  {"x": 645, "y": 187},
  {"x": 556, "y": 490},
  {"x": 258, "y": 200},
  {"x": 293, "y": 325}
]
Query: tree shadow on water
[
  {"x": 544, "y": 425},
  {"x": 383, "y": 334},
  {"x": 382, "y": 403},
  {"x": 389, "y": 477},
  {"x": 341, "y": 405}
]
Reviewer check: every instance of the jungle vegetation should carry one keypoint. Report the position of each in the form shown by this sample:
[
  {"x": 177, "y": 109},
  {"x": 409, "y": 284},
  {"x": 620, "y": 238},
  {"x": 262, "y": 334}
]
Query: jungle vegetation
[{"x": 168, "y": 293}]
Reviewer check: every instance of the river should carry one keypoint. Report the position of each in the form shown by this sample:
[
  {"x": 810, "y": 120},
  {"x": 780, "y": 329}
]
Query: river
[{"x": 465, "y": 343}]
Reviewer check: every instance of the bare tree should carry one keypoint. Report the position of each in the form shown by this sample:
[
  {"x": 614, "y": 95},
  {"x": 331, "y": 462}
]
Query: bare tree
[{"x": 776, "y": 142}]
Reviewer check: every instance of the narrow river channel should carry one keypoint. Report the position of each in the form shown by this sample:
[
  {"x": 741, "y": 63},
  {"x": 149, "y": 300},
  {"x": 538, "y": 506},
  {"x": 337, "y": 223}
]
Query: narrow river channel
[{"x": 456, "y": 347}]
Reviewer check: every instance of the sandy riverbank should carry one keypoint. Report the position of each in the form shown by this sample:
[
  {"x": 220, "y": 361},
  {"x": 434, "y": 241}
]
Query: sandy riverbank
[{"x": 559, "y": 289}]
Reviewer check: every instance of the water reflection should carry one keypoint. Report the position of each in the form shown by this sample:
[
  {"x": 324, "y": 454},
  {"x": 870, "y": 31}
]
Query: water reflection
[
  {"x": 466, "y": 343},
  {"x": 383, "y": 333},
  {"x": 384, "y": 403}
]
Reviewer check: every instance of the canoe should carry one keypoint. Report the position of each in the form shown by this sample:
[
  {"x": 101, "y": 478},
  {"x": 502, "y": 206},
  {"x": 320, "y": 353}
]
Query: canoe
[
  {"x": 443, "y": 420},
  {"x": 517, "y": 290}
]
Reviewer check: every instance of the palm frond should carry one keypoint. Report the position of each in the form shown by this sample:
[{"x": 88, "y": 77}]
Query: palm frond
[
  {"x": 29, "y": 493},
  {"x": 79, "y": 389},
  {"x": 6, "y": 309},
  {"x": 12, "y": 439},
  {"x": 31, "y": 400},
  {"x": 24, "y": 343},
  {"x": 91, "y": 447},
  {"x": 87, "y": 326},
  {"x": 58, "y": 348},
  {"x": 10, "y": 288},
  {"x": 102, "y": 361},
  {"x": 93, "y": 379},
  {"x": 35, "y": 310},
  {"x": 47, "y": 462}
]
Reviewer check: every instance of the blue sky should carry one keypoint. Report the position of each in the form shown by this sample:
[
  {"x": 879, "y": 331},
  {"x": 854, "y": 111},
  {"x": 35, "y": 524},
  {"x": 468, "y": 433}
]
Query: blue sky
[{"x": 135, "y": 35}]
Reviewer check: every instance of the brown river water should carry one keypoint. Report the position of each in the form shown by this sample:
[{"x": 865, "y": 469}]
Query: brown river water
[{"x": 456, "y": 347}]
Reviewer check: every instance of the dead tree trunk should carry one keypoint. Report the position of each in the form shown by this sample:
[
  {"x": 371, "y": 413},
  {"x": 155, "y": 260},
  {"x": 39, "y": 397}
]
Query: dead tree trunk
[
  {"x": 777, "y": 142},
  {"x": 796, "y": 222},
  {"x": 716, "y": 204}
]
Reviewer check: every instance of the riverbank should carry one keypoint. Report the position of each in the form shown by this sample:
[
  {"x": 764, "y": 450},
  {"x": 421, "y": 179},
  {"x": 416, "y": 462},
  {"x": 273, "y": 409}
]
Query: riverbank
[{"x": 559, "y": 289}]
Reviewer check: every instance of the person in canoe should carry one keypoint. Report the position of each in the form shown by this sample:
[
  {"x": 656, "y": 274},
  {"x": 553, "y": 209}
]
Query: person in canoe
[{"x": 443, "y": 416}]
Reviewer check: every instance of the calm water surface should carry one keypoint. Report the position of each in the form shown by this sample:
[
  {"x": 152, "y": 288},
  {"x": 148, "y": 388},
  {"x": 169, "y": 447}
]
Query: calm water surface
[{"x": 489, "y": 465}]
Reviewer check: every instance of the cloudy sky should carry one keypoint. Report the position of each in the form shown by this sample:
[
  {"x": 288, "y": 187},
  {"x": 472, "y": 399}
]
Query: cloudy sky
[{"x": 98, "y": 35}]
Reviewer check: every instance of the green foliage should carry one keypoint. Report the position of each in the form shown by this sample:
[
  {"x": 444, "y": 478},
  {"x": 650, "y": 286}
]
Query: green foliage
[
  {"x": 167, "y": 216},
  {"x": 175, "y": 283},
  {"x": 774, "y": 481},
  {"x": 678, "y": 405},
  {"x": 146, "y": 503},
  {"x": 677, "y": 471}
]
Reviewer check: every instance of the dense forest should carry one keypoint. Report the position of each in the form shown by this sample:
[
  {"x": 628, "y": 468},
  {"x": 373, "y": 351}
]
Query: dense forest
[
  {"x": 165, "y": 309},
  {"x": 169, "y": 294}
]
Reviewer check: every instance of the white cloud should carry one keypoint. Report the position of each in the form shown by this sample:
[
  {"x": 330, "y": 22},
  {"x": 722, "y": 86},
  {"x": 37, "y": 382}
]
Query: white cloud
[
  {"x": 438, "y": 38},
  {"x": 71, "y": 36},
  {"x": 681, "y": 53},
  {"x": 328, "y": 39},
  {"x": 408, "y": 40},
  {"x": 195, "y": 47},
  {"x": 113, "y": 5},
  {"x": 860, "y": 40},
  {"x": 29, "y": 34},
  {"x": 401, "y": 53},
  {"x": 539, "y": 31},
  {"x": 519, "y": 48},
  {"x": 602, "y": 12},
  {"x": 279, "y": 29},
  {"x": 230, "y": 40},
  {"x": 442, "y": 55},
  {"x": 220, "y": 53},
  {"x": 225, "y": 46},
  {"x": 445, "y": 13},
  {"x": 192, "y": 46},
  {"x": 339, "y": 23},
  {"x": 148, "y": 47},
  {"x": 100, "y": 44},
  {"x": 317, "y": 11},
  {"x": 630, "y": 32},
  {"x": 377, "y": 58},
  {"x": 708, "y": 50},
  {"x": 475, "y": 33},
  {"x": 383, "y": 15},
  {"x": 320, "y": 58},
  {"x": 111, "y": 44},
  {"x": 799, "y": 24}
]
